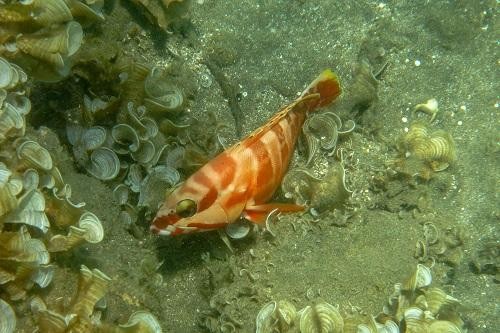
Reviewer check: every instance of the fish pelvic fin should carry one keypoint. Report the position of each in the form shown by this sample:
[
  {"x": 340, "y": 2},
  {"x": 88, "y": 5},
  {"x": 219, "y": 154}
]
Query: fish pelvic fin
[{"x": 259, "y": 213}]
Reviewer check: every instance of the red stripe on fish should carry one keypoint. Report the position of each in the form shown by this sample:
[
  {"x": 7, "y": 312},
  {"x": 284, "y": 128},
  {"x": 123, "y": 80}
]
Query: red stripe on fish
[
  {"x": 225, "y": 168},
  {"x": 241, "y": 180}
]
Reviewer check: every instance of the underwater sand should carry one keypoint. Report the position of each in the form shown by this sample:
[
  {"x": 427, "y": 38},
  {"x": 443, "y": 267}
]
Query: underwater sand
[{"x": 273, "y": 49}]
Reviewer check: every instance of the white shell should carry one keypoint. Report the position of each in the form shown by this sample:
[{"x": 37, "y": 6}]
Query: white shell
[
  {"x": 35, "y": 155},
  {"x": 126, "y": 138},
  {"x": 31, "y": 211},
  {"x": 175, "y": 157},
  {"x": 3, "y": 96},
  {"x": 16, "y": 185},
  {"x": 264, "y": 322},
  {"x": 105, "y": 165},
  {"x": 238, "y": 229},
  {"x": 134, "y": 178},
  {"x": 443, "y": 326},
  {"x": 59, "y": 243},
  {"x": 6, "y": 73},
  {"x": 20, "y": 102},
  {"x": 7, "y": 318},
  {"x": 120, "y": 194},
  {"x": 325, "y": 127},
  {"x": 37, "y": 304},
  {"x": 165, "y": 95},
  {"x": 8, "y": 200},
  {"x": 31, "y": 179},
  {"x": 298, "y": 184},
  {"x": 322, "y": 317},
  {"x": 388, "y": 327},
  {"x": 94, "y": 233},
  {"x": 10, "y": 118},
  {"x": 286, "y": 314},
  {"x": 93, "y": 137},
  {"x": 150, "y": 128},
  {"x": 436, "y": 298},
  {"x": 48, "y": 12},
  {"x": 43, "y": 275},
  {"x": 144, "y": 320},
  {"x": 152, "y": 188},
  {"x": 145, "y": 153},
  {"x": 74, "y": 133},
  {"x": 422, "y": 277}
]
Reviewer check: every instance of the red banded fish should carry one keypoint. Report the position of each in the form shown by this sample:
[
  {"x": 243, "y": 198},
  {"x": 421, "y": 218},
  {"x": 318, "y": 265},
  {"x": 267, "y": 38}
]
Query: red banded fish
[{"x": 241, "y": 180}]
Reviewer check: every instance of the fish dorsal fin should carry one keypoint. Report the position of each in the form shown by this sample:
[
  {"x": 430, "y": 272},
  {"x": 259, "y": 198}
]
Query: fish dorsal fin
[{"x": 301, "y": 104}]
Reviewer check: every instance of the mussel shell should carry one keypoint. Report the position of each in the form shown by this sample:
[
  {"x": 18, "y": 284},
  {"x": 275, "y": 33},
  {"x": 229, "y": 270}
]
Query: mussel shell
[
  {"x": 7, "y": 318},
  {"x": 30, "y": 211},
  {"x": 6, "y": 73},
  {"x": 238, "y": 229},
  {"x": 298, "y": 184},
  {"x": 93, "y": 137},
  {"x": 265, "y": 318},
  {"x": 134, "y": 177},
  {"x": 47, "y": 12},
  {"x": 152, "y": 188},
  {"x": 93, "y": 227},
  {"x": 422, "y": 277},
  {"x": 104, "y": 165},
  {"x": 164, "y": 95},
  {"x": 145, "y": 153},
  {"x": 443, "y": 326},
  {"x": 43, "y": 275},
  {"x": 120, "y": 194},
  {"x": 142, "y": 321},
  {"x": 35, "y": 155},
  {"x": 126, "y": 137},
  {"x": 8, "y": 200},
  {"x": 322, "y": 317}
]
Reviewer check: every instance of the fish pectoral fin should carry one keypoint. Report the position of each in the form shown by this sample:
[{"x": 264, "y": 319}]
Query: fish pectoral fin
[{"x": 259, "y": 213}]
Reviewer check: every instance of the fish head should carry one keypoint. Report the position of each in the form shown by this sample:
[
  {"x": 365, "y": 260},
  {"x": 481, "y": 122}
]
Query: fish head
[{"x": 183, "y": 213}]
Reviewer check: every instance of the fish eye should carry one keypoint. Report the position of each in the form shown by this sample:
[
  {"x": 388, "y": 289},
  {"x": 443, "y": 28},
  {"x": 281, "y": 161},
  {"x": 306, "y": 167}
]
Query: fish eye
[{"x": 185, "y": 208}]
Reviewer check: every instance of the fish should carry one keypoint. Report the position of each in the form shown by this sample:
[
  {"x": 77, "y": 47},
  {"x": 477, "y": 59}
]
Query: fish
[{"x": 240, "y": 181}]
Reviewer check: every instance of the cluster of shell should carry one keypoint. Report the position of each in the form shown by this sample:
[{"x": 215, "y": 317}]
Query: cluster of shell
[
  {"x": 321, "y": 184},
  {"x": 162, "y": 12},
  {"x": 321, "y": 131},
  {"x": 42, "y": 35},
  {"x": 283, "y": 316},
  {"x": 85, "y": 310},
  {"x": 413, "y": 308},
  {"x": 136, "y": 154},
  {"x": 440, "y": 245},
  {"x": 425, "y": 152},
  {"x": 34, "y": 200}
]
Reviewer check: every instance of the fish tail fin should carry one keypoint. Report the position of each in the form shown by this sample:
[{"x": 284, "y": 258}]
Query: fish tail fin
[{"x": 326, "y": 85}]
